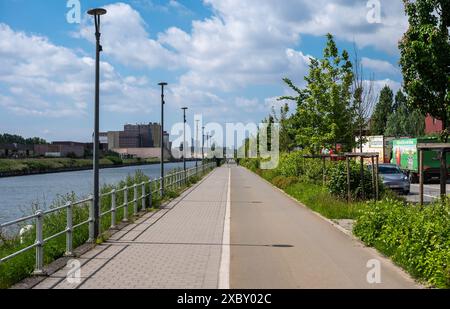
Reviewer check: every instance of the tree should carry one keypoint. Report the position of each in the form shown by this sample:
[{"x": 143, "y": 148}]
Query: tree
[
  {"x": 382, "y": 111},
  {"x": 364, "y": 98},
  {"x": 324, "y": 115},
  {"x": 17, "y": 139},
  {"x": 404, "y": 121},
  {"x": 425, "y": 60}
]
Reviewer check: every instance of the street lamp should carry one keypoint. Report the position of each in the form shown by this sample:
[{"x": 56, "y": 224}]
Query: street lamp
[
  {"x": 196, "y": 143},
  {"x": 96, "y": 13},
  {"x": 203, "y": 145},
  {"x": 184, "y": 141},
  {"x": 162, "y": 84}
]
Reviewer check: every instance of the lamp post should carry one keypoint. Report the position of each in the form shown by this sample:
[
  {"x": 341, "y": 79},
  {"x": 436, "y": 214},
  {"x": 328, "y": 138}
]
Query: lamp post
[
  {"x": 196, "y": 143},
  {"x": 96, "y": 13},
  {"x": 162, "y": 84},
  {"x": 203, "y": 145},
  {"x": 184, "y": 141}
]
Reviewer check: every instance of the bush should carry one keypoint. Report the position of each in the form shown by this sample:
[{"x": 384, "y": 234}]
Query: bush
[
  {"x": 337, "y": 181},
  {"x": 284, "y": 182},
  {"x": 415, "y": 238},
  {"x": 115, "y": 160}
]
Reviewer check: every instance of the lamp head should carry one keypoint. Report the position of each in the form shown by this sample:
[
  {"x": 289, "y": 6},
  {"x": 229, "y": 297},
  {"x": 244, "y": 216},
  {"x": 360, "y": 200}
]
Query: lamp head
[
  {"x": 97, "y": 12},
  {"x": 163, "y": 84}
]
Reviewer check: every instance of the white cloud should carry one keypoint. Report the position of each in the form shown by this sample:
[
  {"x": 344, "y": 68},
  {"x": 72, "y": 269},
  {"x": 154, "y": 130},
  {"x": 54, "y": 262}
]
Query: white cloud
[
  {"x": 125, "y": 38},
  {"x": 42, "y": 79},
  {"x": 380, "y": 66}
]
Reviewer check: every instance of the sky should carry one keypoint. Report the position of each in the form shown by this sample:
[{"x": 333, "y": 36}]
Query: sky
[{"x": 224, "y": 59}]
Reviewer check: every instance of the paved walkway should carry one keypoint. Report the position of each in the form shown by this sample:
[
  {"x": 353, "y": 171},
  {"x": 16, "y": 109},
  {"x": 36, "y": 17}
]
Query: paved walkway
[
  {"x": 275, "y": 243},
  {"x": 177, "y": 247},
  {"x": 288, "y": 246}
]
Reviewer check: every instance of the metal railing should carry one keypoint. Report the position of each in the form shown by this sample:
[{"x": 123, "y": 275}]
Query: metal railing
[{"x": 172, "y": 181}]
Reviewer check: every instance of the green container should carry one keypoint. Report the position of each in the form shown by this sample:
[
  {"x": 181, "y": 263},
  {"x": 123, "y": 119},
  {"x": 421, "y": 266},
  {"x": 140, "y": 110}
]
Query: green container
[{"x": 406, "y": 156}]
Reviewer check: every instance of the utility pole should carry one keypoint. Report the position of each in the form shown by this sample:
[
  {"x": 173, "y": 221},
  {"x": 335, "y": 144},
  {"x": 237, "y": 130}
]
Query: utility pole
[
  {"x": 184, "y": 141},
  {"x": 196, "y": 143},
  {"x": 163, "y": 84},
  {"x": 96, "y": 199}
]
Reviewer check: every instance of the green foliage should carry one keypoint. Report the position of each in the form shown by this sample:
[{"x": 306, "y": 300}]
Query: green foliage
[
  {"x": 425, "y": 61},
  {"x": 382, "y": 110},
  {"x": 324, "y": 115},
  {"x": 115, "y": 160},
  {"x": 17, "y": 139},
  {"x": 415, "y": 238},
  {"x": 283, "y": 182},
  {"x": 314, "y": 196},
  {"x": 337, "y": 181},
  {"x": 404, "y": 121}
]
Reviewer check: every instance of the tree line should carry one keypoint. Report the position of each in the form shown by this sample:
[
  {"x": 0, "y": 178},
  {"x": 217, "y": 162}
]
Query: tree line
[
  {"x": 337, "y": 101},
  {"x": 17, "y": 139}
]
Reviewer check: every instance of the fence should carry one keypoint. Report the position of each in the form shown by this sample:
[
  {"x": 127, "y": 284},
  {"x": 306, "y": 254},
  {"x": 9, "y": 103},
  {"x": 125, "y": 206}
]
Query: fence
[{"x": 142, "y": 199}]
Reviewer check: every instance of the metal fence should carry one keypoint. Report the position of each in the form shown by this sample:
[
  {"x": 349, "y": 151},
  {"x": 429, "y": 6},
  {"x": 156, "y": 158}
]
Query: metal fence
[{"x": 173, "y": 181}]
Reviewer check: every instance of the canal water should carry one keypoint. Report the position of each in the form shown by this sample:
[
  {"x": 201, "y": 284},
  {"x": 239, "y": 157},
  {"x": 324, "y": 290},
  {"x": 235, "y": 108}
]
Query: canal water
[{"x": 18, "y": 194}]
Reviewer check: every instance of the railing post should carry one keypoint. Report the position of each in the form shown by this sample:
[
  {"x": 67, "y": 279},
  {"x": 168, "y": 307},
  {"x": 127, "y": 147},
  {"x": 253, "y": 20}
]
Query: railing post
[
  {"x": 143, "y": 196},
  {"x": 91, "y": 221},
  {"x": 113, "y": 209},
  {"x": 135, "y": 200},
  {"x": 39, "y": 270},
  {"x": 150, "y": 195},
  {"x": 125, "y": 202},
  {"x": 161, "y": 192},
  {"x": 69, "y": 231}
]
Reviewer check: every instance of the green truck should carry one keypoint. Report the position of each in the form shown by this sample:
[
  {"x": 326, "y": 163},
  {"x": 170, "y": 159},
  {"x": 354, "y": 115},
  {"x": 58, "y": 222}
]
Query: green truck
[{"x": 406, "y": 156}]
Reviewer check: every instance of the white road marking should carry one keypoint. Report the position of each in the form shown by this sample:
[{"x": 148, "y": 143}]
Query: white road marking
[{"x": 224, "y": 272}]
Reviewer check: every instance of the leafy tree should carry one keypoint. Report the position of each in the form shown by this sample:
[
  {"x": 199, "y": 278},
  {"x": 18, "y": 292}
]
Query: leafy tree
[
  {"x": 405, "y": 121},
  {"x": 324, "y": 115},
  {"x": 425, "y": 58},
  {"x": 17, "y": 139},
  {"x": 382, "y": 111}
]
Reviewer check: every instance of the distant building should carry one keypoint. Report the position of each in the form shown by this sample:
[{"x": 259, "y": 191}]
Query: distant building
[
  {"x": 136, "y": 136},
  {"x": 16, "y": 151},
  {"x": 432, "y": 125},
  {"x": 61, "y": 149}
]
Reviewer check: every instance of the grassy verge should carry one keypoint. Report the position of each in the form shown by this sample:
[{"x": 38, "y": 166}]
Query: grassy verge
[
  {"x": 21, "y": 266},
  {"x": 314, "y": 196},
  {"x": 54, "y": 164}
]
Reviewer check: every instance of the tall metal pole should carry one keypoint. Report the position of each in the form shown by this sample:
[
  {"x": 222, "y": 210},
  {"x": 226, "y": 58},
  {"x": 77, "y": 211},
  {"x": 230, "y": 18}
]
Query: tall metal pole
[
  {"x": 96, "y": 144},
  {"x": 203, "y": 144},
  {"x": 196, "y": 143},
  {"x": 184, "y": 141},
  {"x": 163, "y": 84}
]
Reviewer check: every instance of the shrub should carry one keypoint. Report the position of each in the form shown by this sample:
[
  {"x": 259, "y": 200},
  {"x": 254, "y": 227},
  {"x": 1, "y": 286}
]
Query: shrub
[
  {"x": 415, "y": 238},
  {"x": 284, "y": 182},
  {"x": 115, "y": 160},
  {"x": 337, "y": 181}
]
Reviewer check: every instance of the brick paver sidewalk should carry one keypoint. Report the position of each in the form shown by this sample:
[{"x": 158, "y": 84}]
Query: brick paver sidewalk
[{"x": 178, "y": 247}]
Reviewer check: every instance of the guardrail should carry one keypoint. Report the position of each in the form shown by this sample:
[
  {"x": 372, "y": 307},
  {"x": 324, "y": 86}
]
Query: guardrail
[{"x": 172, "y": 181}]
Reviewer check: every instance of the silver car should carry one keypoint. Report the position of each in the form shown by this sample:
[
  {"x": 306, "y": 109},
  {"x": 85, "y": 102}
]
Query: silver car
[{"x": 394, "y": 178}]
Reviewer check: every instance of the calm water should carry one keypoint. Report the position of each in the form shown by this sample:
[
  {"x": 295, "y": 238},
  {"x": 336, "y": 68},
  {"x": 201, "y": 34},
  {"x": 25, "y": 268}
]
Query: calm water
[{"x": 17, "y": 194}]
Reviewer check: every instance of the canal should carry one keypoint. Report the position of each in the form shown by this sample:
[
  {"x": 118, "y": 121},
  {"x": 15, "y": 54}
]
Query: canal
[{"x": 18, "y": 194}]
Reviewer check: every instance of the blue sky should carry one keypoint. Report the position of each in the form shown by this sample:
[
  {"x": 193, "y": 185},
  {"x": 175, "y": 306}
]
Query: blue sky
[{"x": 223, "y": 59}]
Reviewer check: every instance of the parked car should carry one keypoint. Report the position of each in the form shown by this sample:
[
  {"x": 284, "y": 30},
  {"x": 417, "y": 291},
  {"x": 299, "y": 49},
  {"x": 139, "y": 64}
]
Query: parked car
[{"x": 394, "y": 178}]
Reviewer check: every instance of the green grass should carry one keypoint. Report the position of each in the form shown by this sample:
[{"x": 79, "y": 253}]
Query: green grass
[
  {"x": 54, "y": 164},
  {"x": 22, "y": 266},
  {"x": 314, "y": 196},
  {"x": 48, "y": 164},
  {"x": 320, "y": 200}
]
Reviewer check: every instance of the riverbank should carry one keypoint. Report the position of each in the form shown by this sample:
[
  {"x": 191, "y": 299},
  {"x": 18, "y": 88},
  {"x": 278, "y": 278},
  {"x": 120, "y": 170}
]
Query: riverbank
[{"x": 25, "y": 167}]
